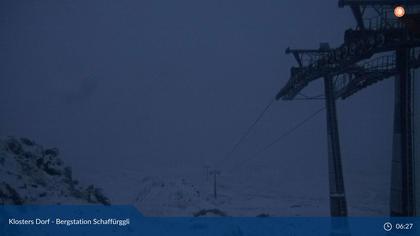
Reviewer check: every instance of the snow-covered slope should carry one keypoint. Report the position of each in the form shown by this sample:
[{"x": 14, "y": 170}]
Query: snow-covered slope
[
  {"x": 175, "y": 197},
  {"x": 178, "y": 197},
  {"x": 31, "y": 174}
]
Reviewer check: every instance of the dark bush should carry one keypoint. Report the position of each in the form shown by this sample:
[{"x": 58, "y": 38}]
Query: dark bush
[{"x": 205, "y": 212}]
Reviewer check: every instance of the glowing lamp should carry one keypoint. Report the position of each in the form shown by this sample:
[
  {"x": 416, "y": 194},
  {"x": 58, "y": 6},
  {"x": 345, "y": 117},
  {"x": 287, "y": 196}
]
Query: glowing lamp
[{"x": 399, "y": 11}]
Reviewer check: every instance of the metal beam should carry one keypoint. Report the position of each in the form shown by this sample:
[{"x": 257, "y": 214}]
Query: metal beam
[
  {"x": 338, "y": 204},
  {"x": 342, "y": 3},
  {"x": 402, "y": 177},
  {"x": 358, "y": 15}
]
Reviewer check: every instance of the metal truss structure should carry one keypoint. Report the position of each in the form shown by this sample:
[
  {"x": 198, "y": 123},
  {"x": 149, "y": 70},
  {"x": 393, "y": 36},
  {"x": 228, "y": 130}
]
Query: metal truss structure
[
  {"x": 347, "y": 81},
  {"x": 356, "y": 64}
]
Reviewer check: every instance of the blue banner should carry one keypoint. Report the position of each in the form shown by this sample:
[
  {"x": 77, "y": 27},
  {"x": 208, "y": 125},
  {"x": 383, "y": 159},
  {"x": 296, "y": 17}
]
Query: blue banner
[{"x": 126, "y": 220}]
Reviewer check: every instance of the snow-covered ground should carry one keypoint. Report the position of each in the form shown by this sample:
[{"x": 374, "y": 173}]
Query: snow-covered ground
[
  {"x": 31, "y": 174},
  {"x": 185, "y": 195}
]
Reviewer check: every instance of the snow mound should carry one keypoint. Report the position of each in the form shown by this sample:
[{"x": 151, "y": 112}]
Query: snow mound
[
  {"x": 176, "y": 197},
  {"x": 31, "y": 174}
]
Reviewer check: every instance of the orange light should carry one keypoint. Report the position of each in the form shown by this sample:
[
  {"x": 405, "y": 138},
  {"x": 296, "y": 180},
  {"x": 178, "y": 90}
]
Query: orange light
[{"x": 399, "y": 11}]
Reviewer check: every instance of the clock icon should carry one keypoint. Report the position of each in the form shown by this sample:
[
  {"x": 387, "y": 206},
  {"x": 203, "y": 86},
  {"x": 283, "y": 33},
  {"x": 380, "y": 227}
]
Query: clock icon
[{"x": 387, "y": 226}]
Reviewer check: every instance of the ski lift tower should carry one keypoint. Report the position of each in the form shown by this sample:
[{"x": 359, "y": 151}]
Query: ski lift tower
[
  {"x": 300, "y": 77},
  {"x": 395, "y": 22},
  {"x": 349, "y": 68}
]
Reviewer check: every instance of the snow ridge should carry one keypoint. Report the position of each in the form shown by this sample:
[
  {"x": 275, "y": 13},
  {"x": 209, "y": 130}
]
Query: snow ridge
[{"x": 32, "y": 174}]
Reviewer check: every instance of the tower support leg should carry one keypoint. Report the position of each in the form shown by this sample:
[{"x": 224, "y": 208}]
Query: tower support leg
[
  {"x": 338, "y": 205},
  {"x": 402, "y": 176}
]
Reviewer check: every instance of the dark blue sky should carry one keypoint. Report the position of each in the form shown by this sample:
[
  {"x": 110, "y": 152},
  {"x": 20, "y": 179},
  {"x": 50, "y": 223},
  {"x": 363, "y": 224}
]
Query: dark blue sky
[{"x": 165, "y": 85}]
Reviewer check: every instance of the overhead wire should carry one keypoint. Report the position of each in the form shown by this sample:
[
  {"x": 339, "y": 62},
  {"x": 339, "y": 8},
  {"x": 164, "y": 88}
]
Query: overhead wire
[
  {"x": 247, "y": 132},
  {"x": 281, "y": 137}
]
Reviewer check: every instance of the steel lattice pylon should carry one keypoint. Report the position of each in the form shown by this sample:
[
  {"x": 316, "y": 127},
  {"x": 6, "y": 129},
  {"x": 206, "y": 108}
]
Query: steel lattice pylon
[{"x": 353, "y": 66}]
